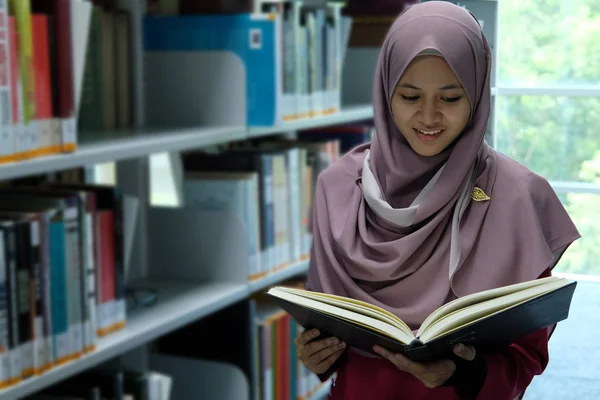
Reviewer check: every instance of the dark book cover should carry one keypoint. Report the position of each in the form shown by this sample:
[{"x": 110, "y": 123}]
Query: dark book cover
[{"x": 488, "y": 335}]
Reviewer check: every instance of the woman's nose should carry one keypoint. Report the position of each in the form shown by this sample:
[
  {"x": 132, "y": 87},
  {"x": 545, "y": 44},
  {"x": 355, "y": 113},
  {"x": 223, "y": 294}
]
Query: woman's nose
[{"x": 430, "y": 115}]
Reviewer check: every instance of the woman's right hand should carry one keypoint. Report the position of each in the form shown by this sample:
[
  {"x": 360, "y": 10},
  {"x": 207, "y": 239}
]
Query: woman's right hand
[{"x": 318, "y": 355}]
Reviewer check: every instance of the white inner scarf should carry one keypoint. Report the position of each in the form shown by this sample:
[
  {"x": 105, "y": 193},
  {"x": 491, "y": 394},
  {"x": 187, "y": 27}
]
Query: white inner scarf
[{"x": 404, "y": 217}]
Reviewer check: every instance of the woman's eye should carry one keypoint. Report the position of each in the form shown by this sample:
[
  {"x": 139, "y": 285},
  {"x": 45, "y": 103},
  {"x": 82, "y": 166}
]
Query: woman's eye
[
  {"x": 410, "y": 99},
  {"x": 451, "y": 99}
]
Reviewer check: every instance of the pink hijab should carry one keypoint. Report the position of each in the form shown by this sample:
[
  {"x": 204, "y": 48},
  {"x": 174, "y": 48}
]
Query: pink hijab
[{"x": 401, "y": 231}]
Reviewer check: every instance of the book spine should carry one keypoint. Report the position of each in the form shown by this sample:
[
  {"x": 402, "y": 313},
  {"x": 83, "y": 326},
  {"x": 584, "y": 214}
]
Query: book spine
[
  {"x": 5, "y": 377},
  {"x": 7, "y": 139},
  {"x": 64, "y": 56},
  {"x": 37, "y": 310},
  {"x": 106, "y": 272},
  {"x": 43, "y": 85},
  {"x": 46, "y": 278},
  {"x": 88, "y": 342},
  {"x": 293, "y": 384},
  {"x": 90, "y": 277},
  {"x": 60, "y": 309},
  {"x": 19, "y": 132},
  {"x": 269, "y": 215},
  {"x": 252, "y": 227},
  {"x": 13, "y": 306},
  {"x": 119, "y": 243},
  {"x": 301, "y": 61},
  {"x": 73, "y": 258},
  {"x": 22, "y": 12},
  {"x": 289, "y": 61},
  {"x": 25, "y": 293},
  {"x": 56, "y": 122},
  {"x": 294, "y": 204}
]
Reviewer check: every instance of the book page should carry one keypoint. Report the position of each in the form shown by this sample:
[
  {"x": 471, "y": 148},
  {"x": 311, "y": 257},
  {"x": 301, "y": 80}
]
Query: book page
[
  {"x": 463, "y": 317},
  {"x": 479, "y": 297},
  {"x": 341, "y": 313},
  {"x": 354, "y": 305}
]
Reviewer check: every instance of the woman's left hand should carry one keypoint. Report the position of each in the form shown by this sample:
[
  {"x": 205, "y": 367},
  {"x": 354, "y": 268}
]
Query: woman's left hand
[{"x": 432, "y": 374}]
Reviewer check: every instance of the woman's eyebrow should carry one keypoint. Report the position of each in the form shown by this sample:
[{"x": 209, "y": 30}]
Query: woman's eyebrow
[{"x": 411, "y": 86}]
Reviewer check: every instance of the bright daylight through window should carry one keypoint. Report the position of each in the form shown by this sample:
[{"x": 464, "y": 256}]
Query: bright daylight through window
[{"x": 548, "y": 107}]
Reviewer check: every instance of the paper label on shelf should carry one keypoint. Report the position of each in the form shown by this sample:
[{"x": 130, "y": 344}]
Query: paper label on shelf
[
  {"x": 77, "y": 338},
  {"x": 27, "y": 357},
  {"x": 56, "y": 129},
  {"x": 272, "y": 258},
  {"x": 89, "y": 333},
  {"x": 287, "y": 253},
  {"x": 106, "y": 317},
  {"x": 103, "y": 321},
  {"x": 4, "y": 368},
  {"x": 16, "y": 366},
  {"x": 63, "y": 348},
  {"x": 252, "y": 265},
  {"x": 33, "y": 136},
  {"x": 50, "y": 356},
  {"x": 39, "y": 346},
  {"x": 120, "y": 311},
  {"x": 69, "y": 134}
]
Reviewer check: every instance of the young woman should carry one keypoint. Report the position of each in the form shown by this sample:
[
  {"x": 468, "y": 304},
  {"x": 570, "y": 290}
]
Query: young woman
[{"x": 428, "y": 212}]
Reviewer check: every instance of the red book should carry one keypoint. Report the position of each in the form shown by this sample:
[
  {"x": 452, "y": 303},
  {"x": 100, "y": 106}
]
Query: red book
[
  {"x": 43, "y": 84},
  {"x": 60, "y": 11},
  {"x": 15, "y": 86},
  {"x": 105, "y": 270}
]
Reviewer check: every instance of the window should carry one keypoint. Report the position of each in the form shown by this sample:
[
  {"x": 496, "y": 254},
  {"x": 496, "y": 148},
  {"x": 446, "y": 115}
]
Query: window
[
  {"x": 547, "y": 107},
  {"x": 549, "y": 42}
]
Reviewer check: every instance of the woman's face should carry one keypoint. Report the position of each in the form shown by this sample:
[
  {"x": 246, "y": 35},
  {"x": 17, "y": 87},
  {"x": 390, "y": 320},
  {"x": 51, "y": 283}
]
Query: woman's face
[{"x": 429, "y": 105}]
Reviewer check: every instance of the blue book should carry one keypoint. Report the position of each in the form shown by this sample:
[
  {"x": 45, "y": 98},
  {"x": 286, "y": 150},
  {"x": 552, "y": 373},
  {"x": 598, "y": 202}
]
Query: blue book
[
  {"x": 58, "y": 278},
  {"x": 252, "y": 38}
]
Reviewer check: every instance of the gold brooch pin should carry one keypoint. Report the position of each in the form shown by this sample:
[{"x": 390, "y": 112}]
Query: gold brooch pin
[{"x": 479, "y": 195}]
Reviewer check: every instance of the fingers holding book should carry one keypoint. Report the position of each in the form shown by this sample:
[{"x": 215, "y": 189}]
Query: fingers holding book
[
  {"x": 465, "y": 352},
  {"x": 318, "y": 355},
  {"x": 431, "y": 374}
]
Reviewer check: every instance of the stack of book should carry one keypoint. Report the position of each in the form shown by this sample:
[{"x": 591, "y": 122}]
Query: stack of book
[
  {"x": 269, "y": 186},
  {"x": 65, "y": 68},
  {"x": 61, "y": 274},
  {"x": 291, "y": 53},
  {"x": 279, "y": 373}
]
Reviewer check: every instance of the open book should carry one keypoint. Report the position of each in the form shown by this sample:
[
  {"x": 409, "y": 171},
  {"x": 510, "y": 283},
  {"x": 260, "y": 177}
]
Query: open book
[{"x": 487, "y": 320}]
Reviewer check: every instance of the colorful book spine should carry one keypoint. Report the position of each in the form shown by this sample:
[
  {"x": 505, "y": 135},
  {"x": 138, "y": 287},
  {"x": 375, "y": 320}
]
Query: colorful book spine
[
  {"x": 7, "y": 139},
  {"x": 58, "y": 276},
  {"x": 4, "y": 320}
]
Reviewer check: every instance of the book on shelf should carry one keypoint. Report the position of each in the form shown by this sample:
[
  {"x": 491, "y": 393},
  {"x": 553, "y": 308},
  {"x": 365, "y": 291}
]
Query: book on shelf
[
  {"x": 279, "y": 373},
  {"x": 60, "y": 289},
  {"x": 291, "y": 56},
  {"x": 268, "y": 185},
  {"x": 66, "y": 67},
  {"x": 487, "y": 320}
]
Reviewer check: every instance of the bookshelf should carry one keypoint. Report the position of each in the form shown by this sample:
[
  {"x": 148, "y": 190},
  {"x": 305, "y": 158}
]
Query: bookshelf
[
  {"x": 123, "y": 145},
  {"x": 131, "y": 144},
  {"x": 178, "y": 304},
  {"x": 284, "y": 274},
  {"x": 345, "y": 116}
]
